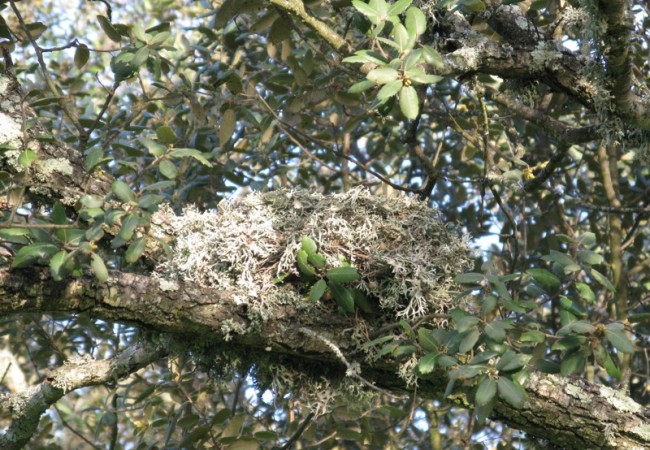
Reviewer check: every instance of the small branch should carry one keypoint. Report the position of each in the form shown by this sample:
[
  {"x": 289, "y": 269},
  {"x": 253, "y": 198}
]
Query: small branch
[
  {"x": 546, "y": 172},
  {"x": 556, "y": 128},
  {"x": 63, "y": 104},
  {"x": 28, "y": 407},
  {"x": 513, "y": 224},
  {"x": 297, "y": 8},
  {"x": 301, "y": 429}
]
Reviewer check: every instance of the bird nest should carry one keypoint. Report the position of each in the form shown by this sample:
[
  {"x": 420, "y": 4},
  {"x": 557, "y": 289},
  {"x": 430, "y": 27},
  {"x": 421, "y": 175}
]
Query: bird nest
[{"x": 405, "y": 255}]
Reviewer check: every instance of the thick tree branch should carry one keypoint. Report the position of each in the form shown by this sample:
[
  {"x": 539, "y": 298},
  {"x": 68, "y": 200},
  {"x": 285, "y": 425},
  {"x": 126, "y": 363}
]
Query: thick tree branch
[
  {"x": 27, "y": 407},
  {"x": 617, "y": 55},
  {"x": 568, "y": 412}
]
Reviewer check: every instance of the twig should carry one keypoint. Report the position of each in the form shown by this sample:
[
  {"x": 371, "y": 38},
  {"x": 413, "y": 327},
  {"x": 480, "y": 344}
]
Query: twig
[
  {"x": 46, "y": 75},
  {"x": 513, "y": 224},
  {"x": 301, "y": 429},
  {"x": 547, "y": 171}
]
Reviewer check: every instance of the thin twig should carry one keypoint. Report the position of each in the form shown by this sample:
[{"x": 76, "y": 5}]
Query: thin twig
[{"x": 301, "y": 429}]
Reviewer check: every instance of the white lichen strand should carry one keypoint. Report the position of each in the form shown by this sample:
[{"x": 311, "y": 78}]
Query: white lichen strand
[{"x": 406, "y": 255}]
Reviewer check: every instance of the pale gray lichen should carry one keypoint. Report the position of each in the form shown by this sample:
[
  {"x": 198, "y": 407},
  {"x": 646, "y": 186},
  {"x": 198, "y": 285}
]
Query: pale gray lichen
[
  {"x": 407, "y": 256},
  {"x": 545, "y": 53},
  {"x": 58, "y": 165}
]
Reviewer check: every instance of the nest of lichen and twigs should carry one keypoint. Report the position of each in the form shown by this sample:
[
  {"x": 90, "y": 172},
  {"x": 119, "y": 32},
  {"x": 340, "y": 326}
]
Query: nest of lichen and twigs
[{"x": 405, "y": 254}]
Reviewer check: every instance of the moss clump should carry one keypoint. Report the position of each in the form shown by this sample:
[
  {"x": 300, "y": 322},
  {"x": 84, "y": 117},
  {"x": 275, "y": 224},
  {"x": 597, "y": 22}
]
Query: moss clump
[{"x": 407, "y": 256}]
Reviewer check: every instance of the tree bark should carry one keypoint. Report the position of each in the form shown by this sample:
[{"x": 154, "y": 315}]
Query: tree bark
[{"x": 568, "y": 413}]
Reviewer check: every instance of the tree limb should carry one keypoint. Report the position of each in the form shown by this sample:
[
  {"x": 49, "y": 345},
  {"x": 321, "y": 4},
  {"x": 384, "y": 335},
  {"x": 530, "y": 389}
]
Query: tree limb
[
  {"x": 568, "y": 412},
  {"x": 28, "y": 407}
]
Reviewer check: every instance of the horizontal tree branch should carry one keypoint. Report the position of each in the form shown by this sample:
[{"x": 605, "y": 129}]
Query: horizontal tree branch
[{"x": 567, "y": 412}]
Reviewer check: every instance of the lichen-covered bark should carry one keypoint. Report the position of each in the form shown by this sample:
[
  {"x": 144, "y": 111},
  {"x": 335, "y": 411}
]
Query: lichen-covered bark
[
  {"x": 569, "y": 413},
  {"x": 57, "y": 174},
  {"x": 27, "y": 407}
]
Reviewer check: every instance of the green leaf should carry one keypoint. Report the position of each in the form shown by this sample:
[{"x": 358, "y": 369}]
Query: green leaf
[
  {"x": 482, "y": 357},
  {"x": 401, "y": 37},
  {"x": 602, "y": 279},
  {"x": 150, "y": 201},
  {"x": 464, "y": 323},
  {"x": 426, "y": 340},
  {"x": 586, "y": 293},
  {"x": 533, "y": 336},
  {"x": 383, "y": 75},
  {"x": 361, "y": 86},
  {"x": 98, "y": 267},
  {"x": 619, "y": 339},
  {"x": 446, "y": 361},
  {"x": 167, "y": 169},
  {"x": 166, "y": 135},
  {"x": 432, "y": 57},
  {"x": 469, "y": 278},
  {"x": 500, "y": 287},
  {"x": 453, "y": 376},
  {"x": 511, "y": 392},
  {"x": 361, "y": 301},
  {"x": 589, "y": 257},
  {"x": 95, "y": 158},
  {"x": 129, "y": 224},
  {"x": 81, "y": 56},
  {"x": 605, "y": 360},
  {"x": 15, "y": 235},
  {"x": 423, "y": 78},
  {"x": 308, "y": 245},
  {"x": 416, "y": 22},
  {"x": 581, "y": 327},
  {"x": 317, "y": 260},
  {"x": 404, "y": 350},
  {"x": 488, "y": 304},
  {"x": 408, "y": 329},
  {"x": 56, "y": 265},
  {"x": 545, "y": 278},
  {"x": 511, "y": 360},
  {"x": 560, "y": 258},
  {"x": 303, "y": 265},
  {"x": 569, "y": 342},
  {"x": 33, "y": 253},
  {"x": 123, "y": 191},
  {"x": 27, "y": 157},
  {"x": 586, "y": 239},
  {"x": 389, "y": 89},
  {"x": 399, "y": 7},
  {"x": 343, "y": 274},
  {"x": 572, "y": 363},
  {"x": 108, "y": 28},
  {"x": 317, "y": 290},
  {"x": 135, "y": 250},
  {"x": 365, "y": 56},
  {"x": 153, "y": 147},
  {"x": 486, "y": 391},
  {"x": 191, "y": 152},
  {"x": 547, "y": 366},
  {"x": 469, "y": 341},
  {"x": 497, "y": 330},
  {"x": 372, "y": 14},
  {"x": 427, "y": 363},
  {"x": 408, "y": 102},
  {"x": 343, "y": 296}
]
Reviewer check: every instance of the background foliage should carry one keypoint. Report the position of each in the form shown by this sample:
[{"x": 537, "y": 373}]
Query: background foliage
[{"x": 193, "y": 102}]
